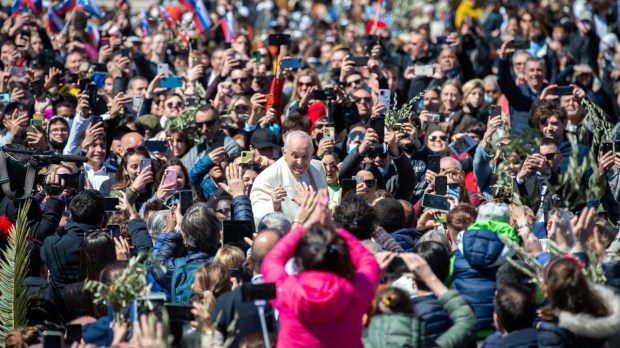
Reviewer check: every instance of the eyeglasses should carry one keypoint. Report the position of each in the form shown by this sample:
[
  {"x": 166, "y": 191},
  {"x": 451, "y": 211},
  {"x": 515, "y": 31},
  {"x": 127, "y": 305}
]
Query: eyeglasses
[
  {"x": 549, "y": 156},
  {"x": 366, "y": 100},
  {"x": 319, "y": 125},
  {"x": 354, "y": 82},
  {"x": 305, "y": 84},
  {"x": 239, "y": 80},
  {"x": 453, "y": 185},
  {"x": 241, "y": 108},
  {"x": 370, "y": 182},
  {"x": 356, "y": 134},
  {"x": 59, "y": 130},
  {"x": 172, "y": 104},
  {"x": 225, "y": 211},
  {"x": 133, "y": 150},
  {"x": 209, "y": 124},
  {"x": 436, "y": 137}
]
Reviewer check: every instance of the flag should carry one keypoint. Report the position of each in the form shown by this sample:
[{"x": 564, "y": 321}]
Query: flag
[
  {"x": 37, "y": 6},
  {"x": 120, "y": 3},
  {"x": 89, "y": 6},
  {"x": 17, "y": 6},
  {"x": 93, "y": 32},
  {"x": 144, "y": 23},
  {"x": 64, "y": 7},
  {"x": 201, "y": 15},
  {"x": 169, "y": 20},
  {"x": 54, "y": 23},
  {"x": 228, "y": 26}
]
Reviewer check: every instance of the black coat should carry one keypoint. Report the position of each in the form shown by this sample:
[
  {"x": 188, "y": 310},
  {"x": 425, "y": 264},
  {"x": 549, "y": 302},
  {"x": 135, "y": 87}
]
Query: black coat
[
  {"x": 525, "y": 338},
  {"x": 230, "y": 304},
  {"x": 41, "y": 225}
]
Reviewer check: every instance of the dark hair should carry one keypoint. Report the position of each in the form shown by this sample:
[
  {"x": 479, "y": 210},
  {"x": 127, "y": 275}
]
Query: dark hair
[
  {"x": 437, "y": 258},
  {"x": 97, "y": 251},
  {"x": 568, "y": 290},
  {"x": 207, "y": 108},
  {"x": 550, "y": 141},
  {"x": 374, "y": 170},
  {"x": 33, "y": 248},
  {"x": 507, "y": 274},
  {"x": 461, "y": 217},
  {"x": 390, "y": 214},
  {"x": 112, "y": 271},
  {"x": 296, "y": 122},
  {"x": 87, "y": 207},
  {"x": 322, "y": 249},
  {"x": 122, "y": 177},
  {"x": 515, "y": 307},
  {"x": 182, "y": 136},
  {"x": 544, "y": 109},
  {"x": 394, "y": 300},
  {"x": 160, "y": 174},
  {"x": 201, "y": 228},
  {"x": 41, "y": 310},
  {"x": 356, "y": 216}
]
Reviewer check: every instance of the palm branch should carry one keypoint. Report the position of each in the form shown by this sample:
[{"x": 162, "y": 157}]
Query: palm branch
[{"x": 13, "y": 271}]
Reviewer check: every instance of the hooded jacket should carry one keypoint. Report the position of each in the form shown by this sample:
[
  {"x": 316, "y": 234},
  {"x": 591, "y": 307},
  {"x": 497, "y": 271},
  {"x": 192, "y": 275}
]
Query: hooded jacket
[
  {"x": 408, "y": 330},
  {"x": 321, "y": 309},
  {"x": 582, "y": 330},
  {"x": 477, "y": 259}
]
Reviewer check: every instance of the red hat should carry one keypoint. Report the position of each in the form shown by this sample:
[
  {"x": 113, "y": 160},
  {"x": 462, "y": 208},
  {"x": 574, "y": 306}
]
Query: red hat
[
  {"x": 315, "y": 111},
  {"x": 175, "y": 12},
  {"x": 371, "y": 23}
]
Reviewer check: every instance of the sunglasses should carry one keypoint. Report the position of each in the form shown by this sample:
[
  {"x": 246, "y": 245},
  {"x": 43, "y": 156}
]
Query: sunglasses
[
  {"x": 305, "y": 84},
  {"x": 354, "y": 82},
  {"x": 319, "y": 125},
  {"x": 435, "y": 137},
  {"x": 239, "y": 80},
  {"x": 133, "y": 150},
  {"x": 370, "y": 182},
  {"x": 225, "y": 211},
  {"x": 177, "y": 104},
  {"x": 366, "y": 100},
  {"x": 357, "y": 134},
  {"x": 209, "y": 124},
  {"x": 453, "y": 185},
  {"x": 549, "y": 156}
]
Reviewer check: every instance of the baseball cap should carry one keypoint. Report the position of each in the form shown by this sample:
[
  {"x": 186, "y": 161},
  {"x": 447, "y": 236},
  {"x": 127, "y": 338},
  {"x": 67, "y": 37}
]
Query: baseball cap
[{"x": 264, "y": 138}]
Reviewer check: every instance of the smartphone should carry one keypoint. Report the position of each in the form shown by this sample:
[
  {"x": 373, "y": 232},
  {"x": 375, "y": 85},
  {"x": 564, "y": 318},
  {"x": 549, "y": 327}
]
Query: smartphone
[
  {"x": 616, "y": 146},
  {"x": 607, "y": 147},
  {"x": 4, "y": 97},
  {"x": 187, "y": 200},
  {"x": 179, "y": 312},
  {"x": 279, "y": 40},
  {"x": 92, "y": 91},
  {"x": 252, "y": 292},
  {"x": 292, "y": 63},
  {"x": 144, "y": 163},
  {"x": 423, "y": 70},
  {"x": 270, "y": 98},
  {"x": 358, "y": 179},
  {"x": 74, "y": 333},
  {"x": 36, "y": 123},
  {"x": 521, "y": 45},
  {"x": 170, "y": 177},
  {"x": 378, "y": 125},
  {"x": 105, "y": 41},
  {"x": 397, "y": 266},
  {"x": 442, "y": 40},
  {"x": 124, "y": 52},
  {"x": 329, "y": 133},
  {"x": 435, "y": 202},
  {"x": 102, "y": 68},
  {"x": 433, "y": 163},
  {"x": 156, "y": 146},
  {"x": 110, "y": 203},
  {"x": 82, "y": 84},
  {"x": 18, "y": 71},
  {"x": 320, "y": 95},
  {"x": 144, "y": 305},
  {"x": 348, "y": 185},
  {"x": 37, "y": 87},
  {"x": 441, "y": 185},
  {"x": 463, "y": 145},
  {"x": 171, "y": 82},
  {"x": 70, "y": 79},
  {"x": 564, "y": 90},
  {"x": 256, "y": 56},
  {"x": 235, "y": 230},
  {"x": 247, "y": 157},
  {"x": 384, "y": 98},
  {"x": 162, "y": 68},
  {"x": 190, "y": 101},
  {"x": 359, "y": 61},
  {"x": 95, "y": 119},
  {"x": 192, "y": 44},
  {"x": 53, "y": 339},
  {"x": 437, "y": 117},
  {"x": 495, "y": 111},
  {"x": 115, "y": 230}
]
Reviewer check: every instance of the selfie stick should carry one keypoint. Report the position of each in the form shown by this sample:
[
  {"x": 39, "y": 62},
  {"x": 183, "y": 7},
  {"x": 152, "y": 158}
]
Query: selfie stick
[{"x": 260, "y": 304}]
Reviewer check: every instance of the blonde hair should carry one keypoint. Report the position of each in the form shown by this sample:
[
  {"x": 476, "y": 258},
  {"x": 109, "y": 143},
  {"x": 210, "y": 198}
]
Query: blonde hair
[
  {"x": 21, "y": 337},
  {"x": 210, "y": 281},
  {"x": 230, "y": 256},
  {"x": 469, "y": 86}
]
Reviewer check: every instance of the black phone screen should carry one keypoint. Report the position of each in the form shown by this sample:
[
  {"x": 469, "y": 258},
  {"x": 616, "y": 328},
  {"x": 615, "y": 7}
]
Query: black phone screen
[
  {"x": 187, "y": 200},
  {"x": 433, "y": 163},
  {"x": 435, "y": 202},
  {"x": 348, "y": 185},
  {"x": 441, "y": 185},
  {"x": 378, "y": 125},
  {"x": 265, "y": 291},
  {"x": 110, "y": 203},
  {"x": 235, "y": 230}
]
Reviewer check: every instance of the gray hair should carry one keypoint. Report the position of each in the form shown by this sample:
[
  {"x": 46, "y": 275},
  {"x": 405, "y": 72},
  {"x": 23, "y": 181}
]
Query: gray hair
[
  {"x": 200, "y": 228},
  {"x": 490, "y": 78},
  {"x": 436, "y": 236},
  {"x": 300, "y": 134},
  {"x": 276, "y": 221},
  {"x": 531, "y": 60},
  {"x": 157, "y": 223}
]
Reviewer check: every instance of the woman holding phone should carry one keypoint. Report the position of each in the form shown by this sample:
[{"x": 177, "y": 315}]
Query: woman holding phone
[
  {"x": 134, "y": 176},
  {"x": 171, "y": 179}
]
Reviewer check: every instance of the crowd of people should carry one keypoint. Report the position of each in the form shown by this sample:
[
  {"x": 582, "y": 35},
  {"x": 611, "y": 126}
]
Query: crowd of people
[{"x": 315, "y": 173}]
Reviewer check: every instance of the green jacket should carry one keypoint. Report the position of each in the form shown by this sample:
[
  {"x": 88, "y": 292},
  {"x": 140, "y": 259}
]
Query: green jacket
[{"x": 407, "y": 330}]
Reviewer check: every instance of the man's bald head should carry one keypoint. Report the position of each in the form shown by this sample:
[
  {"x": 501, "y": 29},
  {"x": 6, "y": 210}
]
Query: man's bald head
[
  {"x": 450, "y": 162},
  {"x": 131, "y": 140},
  {"x": 264, "y": 241}
]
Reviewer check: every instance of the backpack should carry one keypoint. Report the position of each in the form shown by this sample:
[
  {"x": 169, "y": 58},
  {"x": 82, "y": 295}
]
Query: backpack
[{"x": 182, "y": 279}]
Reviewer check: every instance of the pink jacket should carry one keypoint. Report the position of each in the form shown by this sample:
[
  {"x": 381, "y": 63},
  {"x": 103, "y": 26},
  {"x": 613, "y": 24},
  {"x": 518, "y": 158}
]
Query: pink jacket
[{"x": 320, "y": 309}]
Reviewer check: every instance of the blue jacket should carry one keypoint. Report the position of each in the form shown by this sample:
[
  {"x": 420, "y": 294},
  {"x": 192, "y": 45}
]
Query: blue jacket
[
  {"x": 98, "y": 333},
  {"x": 582, "y": 152},
  {"x": 242, "y": 209},
  {"x": 480, "y": 254},
  {"x": 524, "y": 338},
  {"x": 407, "y": 237},
  {"x": 437, "y": 320},
  {"x": 199, "y": 177},
  {"x": 171, "y": 249}
]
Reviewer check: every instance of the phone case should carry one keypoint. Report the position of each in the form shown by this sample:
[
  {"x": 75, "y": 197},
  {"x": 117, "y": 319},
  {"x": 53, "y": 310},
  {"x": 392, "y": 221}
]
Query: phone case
[{"x": 384, "y": 98}]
